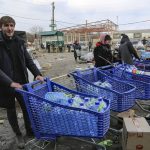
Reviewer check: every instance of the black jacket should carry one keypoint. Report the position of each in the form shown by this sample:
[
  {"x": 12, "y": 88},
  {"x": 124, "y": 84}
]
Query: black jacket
[
  {"x": 6, "y": 69},
  {"x": 127, "y": 51},
  {"x": 102, "y": 54}
]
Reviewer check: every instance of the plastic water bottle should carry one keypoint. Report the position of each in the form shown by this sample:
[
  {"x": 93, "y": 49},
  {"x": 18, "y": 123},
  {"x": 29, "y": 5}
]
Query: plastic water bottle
[
  {"x": 86, "y": 101},
  {"x": 82, "y": 105},
  {"x": 102, "y": 105},
  {"x": 70, "y": 102},
  {"x": 107, "y": 85},
  {"x": 76, "y": 101},
  {"x": 98, "y": 83},
  {"x": 69, "y": 95},
  {"x": 57, "y": 97},
  {"x": 100, "y": 99},
  {"x": 96, "y": 106},
  {"x": 91, "y": 103}
]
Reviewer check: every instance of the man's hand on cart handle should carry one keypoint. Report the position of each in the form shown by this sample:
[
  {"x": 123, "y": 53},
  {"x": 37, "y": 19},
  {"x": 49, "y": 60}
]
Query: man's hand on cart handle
[
  {"x": 39, "y": 78},
  {"x": 16, "y": 85}
]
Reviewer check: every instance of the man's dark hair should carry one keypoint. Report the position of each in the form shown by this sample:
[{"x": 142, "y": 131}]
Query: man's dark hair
[
  {"x": 6, "y": 19},
  {"x": 107, "y": 37}
]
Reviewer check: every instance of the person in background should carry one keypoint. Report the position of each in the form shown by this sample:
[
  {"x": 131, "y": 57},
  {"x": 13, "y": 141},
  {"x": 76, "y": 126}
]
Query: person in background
[
  {"x": 42, "y": 46},
  {"x": 77, "y": 50},
  {"x": 60, "y": 46},
  {"x": 69, "y": 47},
  {"x": 144, "y": 41},
  {"x": 14, "y": 61},
  {"x": 90, "y": 45},
  {"x": 127, "y": 51},
  {"x": 48, "y": 47},
  {"x": 102, "y": 51}
]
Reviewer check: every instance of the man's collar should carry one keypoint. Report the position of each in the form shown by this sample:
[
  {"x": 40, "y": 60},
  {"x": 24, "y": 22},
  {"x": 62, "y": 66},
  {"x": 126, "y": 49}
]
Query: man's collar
[{"x": 4, "y": 37}]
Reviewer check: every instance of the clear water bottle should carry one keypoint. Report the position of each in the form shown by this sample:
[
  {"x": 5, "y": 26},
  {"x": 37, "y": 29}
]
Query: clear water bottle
[
  {"x": 107, "y": 85},
  {"x": 91, "y": 103},
  {"x": 98, "y": 83},
  {"x": 82, "y": 105},
  {"x": 100, "y": 99},
  {"x": 86, "y": 101},
  {"x": 95, "y": 106},
  {"x": 77, "y": 100},
  {"x": 102, "y": 105},
  {"x": 129, "y": 69},
  {"x": 69, "y": 95},
  {"x": 57, "y": 97},
  {"x": 70, "y": 102}
]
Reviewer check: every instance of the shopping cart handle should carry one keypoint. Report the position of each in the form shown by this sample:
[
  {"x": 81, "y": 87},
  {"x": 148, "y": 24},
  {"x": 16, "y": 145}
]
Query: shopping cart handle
[
  {"x": 19, "y": 90},
  {"x": 105, "y": 67},
  {"x": 35, "y": 84}
]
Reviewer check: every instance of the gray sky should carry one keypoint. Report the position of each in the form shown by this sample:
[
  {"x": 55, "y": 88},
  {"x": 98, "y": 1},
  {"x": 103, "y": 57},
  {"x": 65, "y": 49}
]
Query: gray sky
[{"x": 29, "y": 13}]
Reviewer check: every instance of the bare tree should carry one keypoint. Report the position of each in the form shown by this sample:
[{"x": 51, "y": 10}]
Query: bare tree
[
  {"x": 36, "y": 29},
  {"x": 30, "y": 37}
]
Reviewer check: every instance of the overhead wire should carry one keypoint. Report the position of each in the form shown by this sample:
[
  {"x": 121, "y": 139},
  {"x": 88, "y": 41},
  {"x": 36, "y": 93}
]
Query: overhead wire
[
  {"x": 135, "y": 22},
  {"x": 36, "y": 19}
]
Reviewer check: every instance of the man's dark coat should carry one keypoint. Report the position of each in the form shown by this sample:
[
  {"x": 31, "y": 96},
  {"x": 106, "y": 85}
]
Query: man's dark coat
[{"x": 6, "y": 69}]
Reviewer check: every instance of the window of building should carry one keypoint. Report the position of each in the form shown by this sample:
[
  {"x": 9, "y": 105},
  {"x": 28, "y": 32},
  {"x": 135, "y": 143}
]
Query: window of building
[
  {"x": 116, "y": 36},
  {"x": 137, "y": 35}
]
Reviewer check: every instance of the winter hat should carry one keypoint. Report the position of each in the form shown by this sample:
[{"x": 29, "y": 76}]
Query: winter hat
[{"x": 104, "y": 37}]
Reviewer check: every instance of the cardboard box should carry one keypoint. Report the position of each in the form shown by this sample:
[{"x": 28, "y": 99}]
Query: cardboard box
[
  {"x": 136, "y": 134},
  {"x": 127, "y": 114}
]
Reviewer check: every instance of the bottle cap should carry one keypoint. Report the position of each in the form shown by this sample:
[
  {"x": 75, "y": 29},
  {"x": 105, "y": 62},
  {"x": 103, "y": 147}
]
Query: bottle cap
[
  {"x": 96, "y": 103},
  {"x": 86, "y": 99},
  {"x": 100, "y": 98},
  {"x": 70, "y": 101},
  {"x": 81, "y": 104}
]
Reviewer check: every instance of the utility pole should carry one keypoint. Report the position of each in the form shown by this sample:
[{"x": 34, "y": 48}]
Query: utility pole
[
  {"x": 52, "y": 25},
  {"x": 117, "y": 22},
  {"x": 86, "y": 33}
]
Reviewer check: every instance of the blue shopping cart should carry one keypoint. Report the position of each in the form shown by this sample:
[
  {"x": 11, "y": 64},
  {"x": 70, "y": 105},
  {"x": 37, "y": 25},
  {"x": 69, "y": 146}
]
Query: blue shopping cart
[
  {"x": 121, "y": 94},
  {"x": 143, "y": 65},
  {"x": 142, "y": 82},
  {"x": 50, "y": 120}
]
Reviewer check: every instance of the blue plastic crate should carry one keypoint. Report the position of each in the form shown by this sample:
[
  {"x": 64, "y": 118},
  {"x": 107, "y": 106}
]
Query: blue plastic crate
[
  {"x": 50, "y": 119},
  {"x": 143, "y": 65},
  {"x": 122, "y": 95},
  {"x": 145, "y": 55},
  {"x": 142, "y": 82}
]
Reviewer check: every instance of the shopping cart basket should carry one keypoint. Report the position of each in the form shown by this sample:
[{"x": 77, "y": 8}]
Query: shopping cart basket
[
  {"x": 143, "y": 65},
  {"x": 142, "y": 82},
  {"x": 121, "y": 94},
  {"x": 50, "y": 119}
]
